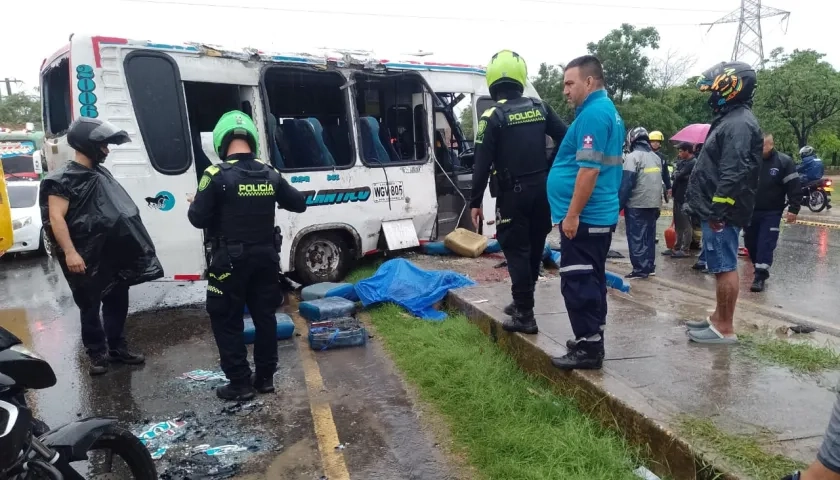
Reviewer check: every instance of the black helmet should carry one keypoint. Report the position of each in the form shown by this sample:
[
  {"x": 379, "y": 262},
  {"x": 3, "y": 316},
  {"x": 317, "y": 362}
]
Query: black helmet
[
  {"x": 637, "y": 134},
  {"x": 88, "y": 135},
  {"x": 730, "y": 83}
]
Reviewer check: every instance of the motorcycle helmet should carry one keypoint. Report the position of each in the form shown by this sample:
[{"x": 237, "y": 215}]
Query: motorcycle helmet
[
  {"x": 656, "y": 136},
  {"x": 807, "y": 151},
  {"x": 636, "y": 135},
  {"x": 88, "y": 135},
  {"x": 507, "y": 67},
  {"x": 232, "y": 125},
  {"x": 730, "y": 83}
]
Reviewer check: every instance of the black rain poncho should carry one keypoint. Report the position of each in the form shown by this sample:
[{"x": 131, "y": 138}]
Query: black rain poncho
[{"x": 106, "y": 229}]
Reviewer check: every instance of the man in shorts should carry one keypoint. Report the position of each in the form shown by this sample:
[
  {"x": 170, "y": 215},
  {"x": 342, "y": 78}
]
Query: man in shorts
[{"x": 721, "y": 189}]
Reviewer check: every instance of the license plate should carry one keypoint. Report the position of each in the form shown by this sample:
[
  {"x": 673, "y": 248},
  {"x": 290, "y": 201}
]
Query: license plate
[{"x": 829, "y": 189}]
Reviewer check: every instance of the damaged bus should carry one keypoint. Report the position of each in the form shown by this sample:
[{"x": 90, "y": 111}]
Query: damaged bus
[{"x": 374, "y": 144}]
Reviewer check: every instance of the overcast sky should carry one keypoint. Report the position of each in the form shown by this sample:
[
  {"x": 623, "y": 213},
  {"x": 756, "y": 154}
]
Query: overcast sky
[{"x": 553, "y": 31}]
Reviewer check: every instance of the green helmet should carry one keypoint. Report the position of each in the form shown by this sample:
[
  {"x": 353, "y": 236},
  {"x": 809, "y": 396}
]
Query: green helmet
[
  {"x": 507, "y": 66},
  {"x": 234, "y": 124}
]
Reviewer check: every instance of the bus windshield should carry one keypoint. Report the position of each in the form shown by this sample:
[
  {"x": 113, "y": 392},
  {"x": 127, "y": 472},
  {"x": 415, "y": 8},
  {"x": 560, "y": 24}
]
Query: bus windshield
[{"x": 18, "y": 164}]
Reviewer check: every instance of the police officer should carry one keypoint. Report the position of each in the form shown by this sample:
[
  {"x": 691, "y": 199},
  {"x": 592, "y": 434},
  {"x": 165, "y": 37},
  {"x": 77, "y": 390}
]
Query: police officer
[
  {"x": 235, "y": 202},
  {"x": 778, "y": 178},
  {"x": 510, "y": 143}
]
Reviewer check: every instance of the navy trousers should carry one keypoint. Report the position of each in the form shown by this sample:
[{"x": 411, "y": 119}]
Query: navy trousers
[
  {"x": 640, "y": 224},
  {"x": 760, "y": 238},
  {"x": 583, "y": 280}
]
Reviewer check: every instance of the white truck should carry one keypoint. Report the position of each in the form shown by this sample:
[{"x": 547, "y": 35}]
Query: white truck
[{"x": 374, "y": 144}]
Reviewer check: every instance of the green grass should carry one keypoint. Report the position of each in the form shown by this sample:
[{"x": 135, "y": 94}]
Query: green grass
[
  {"x": 798, "y": 356},
  {"x": 744, "y": 452},
  {"x": 507, "y": 424},
  {"x": 364, "y": 270}
]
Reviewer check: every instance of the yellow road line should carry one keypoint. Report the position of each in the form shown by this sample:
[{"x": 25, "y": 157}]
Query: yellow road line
[
  {"x": 335, "y": 468},
  {"x": 670, "y": 213},
  {"x": 817, "y": 224}
]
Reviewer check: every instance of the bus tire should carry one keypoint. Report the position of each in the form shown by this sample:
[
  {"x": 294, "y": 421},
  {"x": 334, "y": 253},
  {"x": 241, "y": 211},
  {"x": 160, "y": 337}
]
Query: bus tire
[{"x": 322, "y": 257}]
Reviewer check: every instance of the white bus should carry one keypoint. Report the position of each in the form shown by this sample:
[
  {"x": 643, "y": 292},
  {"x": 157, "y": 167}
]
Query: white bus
[{"x": 373, "y": 143}]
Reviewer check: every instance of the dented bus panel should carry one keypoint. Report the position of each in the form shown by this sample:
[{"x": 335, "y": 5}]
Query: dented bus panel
[{"x": 367, "y": 141}]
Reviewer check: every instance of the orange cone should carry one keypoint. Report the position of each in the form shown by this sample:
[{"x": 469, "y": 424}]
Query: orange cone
[{"x": 671, "y": 236}]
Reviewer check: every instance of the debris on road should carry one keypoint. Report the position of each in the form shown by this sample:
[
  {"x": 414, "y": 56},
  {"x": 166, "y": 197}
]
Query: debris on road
[
  {"x": 204, "y": 376},
  {"x": 189, "y": 447}
]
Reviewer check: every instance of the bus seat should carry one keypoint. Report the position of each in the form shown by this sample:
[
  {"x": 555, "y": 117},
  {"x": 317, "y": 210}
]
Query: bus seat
[
  {"x": 337, "y": 138},
  {"x": 385, "y": 138},
  {"x": 304, "y": 145},
  {"x": 372, "y": 147},
  {"x": 327, "y": 159},
  {"x": 276, "y": 154}
]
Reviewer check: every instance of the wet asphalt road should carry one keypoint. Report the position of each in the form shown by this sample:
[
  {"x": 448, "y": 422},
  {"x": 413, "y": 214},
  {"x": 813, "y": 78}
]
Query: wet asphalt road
[
  {"x": 804, "y": 275},
  {"x": 376, "y": 430}
]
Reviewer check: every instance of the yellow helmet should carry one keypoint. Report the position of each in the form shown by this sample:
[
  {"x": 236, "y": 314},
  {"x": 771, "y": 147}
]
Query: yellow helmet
[
  {"x": 507, "y": 66},
  {"x": 656, "y": 136}
]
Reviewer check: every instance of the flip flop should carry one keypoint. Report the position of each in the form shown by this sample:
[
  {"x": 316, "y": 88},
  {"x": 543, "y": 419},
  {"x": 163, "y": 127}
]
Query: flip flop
[{"x": 711, "y": 336}]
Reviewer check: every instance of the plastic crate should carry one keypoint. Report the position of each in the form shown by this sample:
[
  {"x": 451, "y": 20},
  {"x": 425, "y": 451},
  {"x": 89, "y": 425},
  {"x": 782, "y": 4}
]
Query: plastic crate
[
  {"x": 326, "y": 308},
  {"x": 337, "y": 333}
]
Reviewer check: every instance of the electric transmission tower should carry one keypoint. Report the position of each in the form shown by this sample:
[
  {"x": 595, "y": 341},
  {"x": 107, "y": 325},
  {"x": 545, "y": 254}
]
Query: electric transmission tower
[{"x": 749, "y": 47}]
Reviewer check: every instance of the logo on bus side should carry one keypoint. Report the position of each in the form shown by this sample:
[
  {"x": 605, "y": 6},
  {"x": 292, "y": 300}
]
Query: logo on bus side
[
  {"x": 334, "y": 197},
  {"x": 163, "y": 201}
]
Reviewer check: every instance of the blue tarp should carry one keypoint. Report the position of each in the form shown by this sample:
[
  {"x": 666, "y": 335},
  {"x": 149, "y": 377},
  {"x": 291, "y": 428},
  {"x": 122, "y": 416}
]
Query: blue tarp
[{"x": 416, "y": 290}]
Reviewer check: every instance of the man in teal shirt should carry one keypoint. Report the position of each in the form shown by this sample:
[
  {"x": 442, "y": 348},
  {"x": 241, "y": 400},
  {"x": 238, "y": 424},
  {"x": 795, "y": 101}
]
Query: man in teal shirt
[{"x": 583, "y": 189}]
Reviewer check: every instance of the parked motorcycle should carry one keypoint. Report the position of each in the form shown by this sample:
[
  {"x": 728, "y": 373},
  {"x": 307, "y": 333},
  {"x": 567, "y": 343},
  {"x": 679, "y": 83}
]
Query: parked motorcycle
[
  {"x": 817, "y": 195},
  {"x": 29, "y": 452}
]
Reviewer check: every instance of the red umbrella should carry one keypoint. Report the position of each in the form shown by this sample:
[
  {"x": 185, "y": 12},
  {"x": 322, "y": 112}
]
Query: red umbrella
[{"x": 694, "y": 133}]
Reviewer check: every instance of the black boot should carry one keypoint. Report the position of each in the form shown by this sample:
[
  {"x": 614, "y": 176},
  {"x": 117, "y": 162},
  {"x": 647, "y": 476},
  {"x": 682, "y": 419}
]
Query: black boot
[
  {"x": 124, "y": 356},
  {"x": 98, "y": 365},
  {"x": 586, "y": 356},
  {"x": 263, "y": 383},
  {"x": 236, "y": 391},
  {"x": 522, "y": 321},
  {"x": 509, "y": 310},
  {"x": 761, "y": 276}
]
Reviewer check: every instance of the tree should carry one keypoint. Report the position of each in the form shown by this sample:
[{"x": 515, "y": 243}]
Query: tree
[
  {"x": 688, "y": 102},
  {"x": 549, "y": 84},
  {"x": 622, "y": 54},
  {"x": 801, "y": 92},
  {"x": 467, "y": 122},
  {"x": 18, "y": 108},
  {"x": 640, "y": 111},
  {"x": 670, "y": 71}
]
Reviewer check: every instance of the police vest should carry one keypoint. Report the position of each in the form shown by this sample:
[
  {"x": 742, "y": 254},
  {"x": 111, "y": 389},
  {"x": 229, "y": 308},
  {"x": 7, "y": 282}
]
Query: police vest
[
  {"x": 520, "y": 147},
  {"x": 248, "y": 204}
]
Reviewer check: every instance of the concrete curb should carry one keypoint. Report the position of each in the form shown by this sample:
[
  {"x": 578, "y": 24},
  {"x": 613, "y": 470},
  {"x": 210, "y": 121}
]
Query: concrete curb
[
  {"x": 609, "y": 399},
  {"x": 788, "y": 318}
]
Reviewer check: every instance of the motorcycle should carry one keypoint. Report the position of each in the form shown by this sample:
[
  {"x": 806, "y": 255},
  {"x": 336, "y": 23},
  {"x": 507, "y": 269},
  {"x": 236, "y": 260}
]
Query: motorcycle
[
  {"x": 30, "y": 451},
  {"x": 817, "y": 195}
]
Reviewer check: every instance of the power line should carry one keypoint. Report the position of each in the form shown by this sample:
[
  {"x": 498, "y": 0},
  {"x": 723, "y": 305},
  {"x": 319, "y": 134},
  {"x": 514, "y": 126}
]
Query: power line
[
  {"x": 749, "y": 38},
  {"x": 629, "y": 7},
  {"x": 188, "y": 3}
]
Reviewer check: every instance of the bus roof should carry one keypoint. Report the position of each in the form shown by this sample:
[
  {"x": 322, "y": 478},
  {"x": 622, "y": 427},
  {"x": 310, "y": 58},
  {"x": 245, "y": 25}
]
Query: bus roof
[{"x": 317, "y": 57}]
